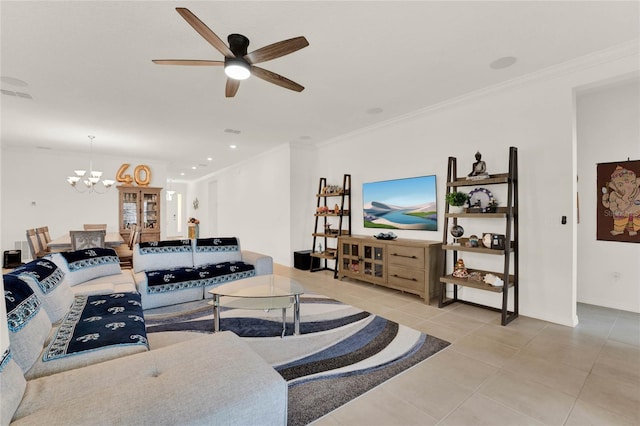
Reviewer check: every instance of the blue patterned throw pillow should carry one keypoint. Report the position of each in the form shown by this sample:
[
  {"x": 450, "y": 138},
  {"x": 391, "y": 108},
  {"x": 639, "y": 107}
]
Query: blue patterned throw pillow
[
  {"x": 153, "y": 255},
  {"x": 46, "y": 280},
  {"x": 28, "y": 324},
  {"x": 209, "y": 251},
  {"x": 84, "y": 265}
]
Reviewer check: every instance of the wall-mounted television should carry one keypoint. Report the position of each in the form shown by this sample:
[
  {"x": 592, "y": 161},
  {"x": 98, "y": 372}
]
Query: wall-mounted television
[{"x": 408, "y": 203}]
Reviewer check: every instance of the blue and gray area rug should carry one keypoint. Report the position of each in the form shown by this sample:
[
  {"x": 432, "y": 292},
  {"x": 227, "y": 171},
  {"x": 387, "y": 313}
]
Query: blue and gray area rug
[{"x": 341, "y": 353}]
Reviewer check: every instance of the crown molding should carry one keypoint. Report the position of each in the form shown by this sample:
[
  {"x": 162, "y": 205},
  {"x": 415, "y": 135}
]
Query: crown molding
[{"x": 624, "y": 50}]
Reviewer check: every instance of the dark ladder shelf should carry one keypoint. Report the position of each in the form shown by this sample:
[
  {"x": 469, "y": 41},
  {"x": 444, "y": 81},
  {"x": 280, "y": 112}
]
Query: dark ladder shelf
[
  {"x": 343, "y": 217},
  {"x": 509, "y": 214}
]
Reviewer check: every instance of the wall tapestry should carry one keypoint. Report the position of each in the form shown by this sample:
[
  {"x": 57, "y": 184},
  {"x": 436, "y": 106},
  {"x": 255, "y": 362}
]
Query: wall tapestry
[{"x": 618, "y": 211}]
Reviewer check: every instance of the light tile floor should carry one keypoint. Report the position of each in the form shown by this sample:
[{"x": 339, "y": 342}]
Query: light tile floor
[{"x": 530, "y": 372}]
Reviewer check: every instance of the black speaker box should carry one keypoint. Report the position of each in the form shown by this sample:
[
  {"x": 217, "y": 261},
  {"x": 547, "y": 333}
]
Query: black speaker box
[
  {"x": 302, "y": 260},
  {"x": 12, "y": 259}
]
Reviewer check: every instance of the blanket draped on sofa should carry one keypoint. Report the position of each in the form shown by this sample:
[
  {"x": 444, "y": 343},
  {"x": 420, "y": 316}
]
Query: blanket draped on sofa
[
  {"x": 164, "y": 280},
  {"x": 95, "y": 322}
]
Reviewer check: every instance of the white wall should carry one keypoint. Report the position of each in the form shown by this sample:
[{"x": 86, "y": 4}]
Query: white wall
[
  {"x": 608, "y": 131},
  {"x": 304, "y": 181},
  {"x": 4, "y": 330},
  {"x": 535, "y": 114},
  {"x": 253, "y": 204},
  {"x": 35, "y": 193}
]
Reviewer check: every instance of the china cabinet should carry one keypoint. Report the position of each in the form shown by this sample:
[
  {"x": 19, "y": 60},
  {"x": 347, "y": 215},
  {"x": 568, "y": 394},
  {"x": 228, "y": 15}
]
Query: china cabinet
[{"x": 139, "y": 206}]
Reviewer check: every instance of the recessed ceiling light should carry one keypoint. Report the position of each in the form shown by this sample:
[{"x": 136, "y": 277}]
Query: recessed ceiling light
[
  {"x": 209, "y": 159},
  {"x": 193, "y": 167},
  {"x": 181, "y": 173},
  {"x": 233, "y": 146},
  {"x": 504, "y": 62},
  {"x": 234, "y": 131}
]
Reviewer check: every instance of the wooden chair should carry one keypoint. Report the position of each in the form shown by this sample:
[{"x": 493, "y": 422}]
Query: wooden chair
[
  {"x": 95, "y": 226},
  {"x": 34, "y": 244},
  {"x": 43, "y": 238},
  {"x": 87, "y": 239},
  {"x": 125, "y": 252}
]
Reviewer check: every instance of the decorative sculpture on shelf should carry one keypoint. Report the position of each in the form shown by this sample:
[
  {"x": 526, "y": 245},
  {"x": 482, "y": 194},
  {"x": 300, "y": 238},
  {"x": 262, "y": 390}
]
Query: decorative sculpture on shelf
[
  {"x": 479, "y": 169},
  {"x": 459, "y": 270}
]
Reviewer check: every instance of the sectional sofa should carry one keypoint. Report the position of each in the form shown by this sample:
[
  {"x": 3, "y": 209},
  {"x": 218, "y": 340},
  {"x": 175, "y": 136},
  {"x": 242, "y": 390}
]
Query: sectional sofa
[
  {"x": 178, "y": 271},
  {"x": 79, "y": 353}
]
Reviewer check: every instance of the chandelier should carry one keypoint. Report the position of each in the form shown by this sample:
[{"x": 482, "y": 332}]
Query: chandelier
[{"x": 92, "y": 178}]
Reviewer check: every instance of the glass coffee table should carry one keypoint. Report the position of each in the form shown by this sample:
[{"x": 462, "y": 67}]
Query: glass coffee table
[{"x": 263, "y": 292}]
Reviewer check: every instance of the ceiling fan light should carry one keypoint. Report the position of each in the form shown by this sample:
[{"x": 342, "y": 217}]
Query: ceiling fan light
[{"x": 237, "y": 69}]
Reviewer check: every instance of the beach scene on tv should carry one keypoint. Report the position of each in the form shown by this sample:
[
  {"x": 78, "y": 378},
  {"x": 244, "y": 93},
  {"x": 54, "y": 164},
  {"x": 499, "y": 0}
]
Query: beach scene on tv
[{"x": 408, "y": 203}]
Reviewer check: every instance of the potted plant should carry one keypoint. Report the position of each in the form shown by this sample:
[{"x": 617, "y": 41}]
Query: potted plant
[{"x": 456, "y": 201}]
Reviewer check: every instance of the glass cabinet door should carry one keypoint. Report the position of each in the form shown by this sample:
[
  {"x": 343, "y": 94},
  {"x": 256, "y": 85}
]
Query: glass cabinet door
[
  {"x": 363, "y": 259},
  {"x": 349, "y": 256},
  {"x": 129, "y": 209},
  {"x": 372, "y": 261},
  {"x": 149, "y": 211}
]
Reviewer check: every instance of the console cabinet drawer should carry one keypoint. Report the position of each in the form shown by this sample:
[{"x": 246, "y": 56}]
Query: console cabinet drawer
[
  {"x": 413, "y": 257},
  {"x": 412, "y": 280}
]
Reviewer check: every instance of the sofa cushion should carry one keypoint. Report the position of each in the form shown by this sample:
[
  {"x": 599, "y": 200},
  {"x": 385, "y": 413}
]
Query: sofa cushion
[
  {"x": 208, "y": 251},
  {"x": 28, "y": 324},
  {"x": 47, "y": 281},
  {"x": 213, "y": 380},
  {"x": 118, "y": 283},
  {"x": 87, "y": 264},
  {"x": 12, "y": 386},
  {"x": 97, "y": 329},
  {"x": 165, "y": 280},
  {"x": 96, "y": 322},
  {"x": 154, "y": 255}
]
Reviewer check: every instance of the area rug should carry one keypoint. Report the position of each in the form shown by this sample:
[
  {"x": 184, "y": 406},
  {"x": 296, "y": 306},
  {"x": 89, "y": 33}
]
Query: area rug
[{"x": 341, "y": 352}]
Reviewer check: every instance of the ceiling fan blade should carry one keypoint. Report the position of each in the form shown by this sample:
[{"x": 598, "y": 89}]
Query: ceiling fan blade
[
  {"x": 205, "y": 31},
  {"x": 195, "y": 62},
  {"x": 232, "y": 87},
  {"x": 274, "y": 78},
  {"x": 276, "y": 50}
]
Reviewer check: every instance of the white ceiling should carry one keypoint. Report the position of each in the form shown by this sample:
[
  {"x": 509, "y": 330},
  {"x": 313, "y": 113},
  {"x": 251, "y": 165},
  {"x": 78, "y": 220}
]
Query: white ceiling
[{"x": 89, "y": 71}]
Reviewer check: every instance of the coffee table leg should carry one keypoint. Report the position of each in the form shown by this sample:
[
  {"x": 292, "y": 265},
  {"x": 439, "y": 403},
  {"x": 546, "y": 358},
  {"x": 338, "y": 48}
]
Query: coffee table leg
[
  {"x": 296, "y": 314},
  {"x": 216, "y": 313}
]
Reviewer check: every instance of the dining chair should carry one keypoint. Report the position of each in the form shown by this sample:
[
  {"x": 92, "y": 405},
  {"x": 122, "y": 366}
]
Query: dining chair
[
  {"x": 42, "y": 234},
  {"x": 125, "y": 252},
  {"x": 95, "y": 226},
  {"x": 87, "y": 239},
  {"x": 34, "y": 244}
]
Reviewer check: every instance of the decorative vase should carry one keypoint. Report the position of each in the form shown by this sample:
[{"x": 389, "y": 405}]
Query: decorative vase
[
  {"x": 193, "y": 231},
  {"x": 456, "y": 209}
]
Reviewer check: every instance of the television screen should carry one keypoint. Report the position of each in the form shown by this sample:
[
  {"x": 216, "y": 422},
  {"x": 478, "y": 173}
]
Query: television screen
[{"x": 401, "y": 204}]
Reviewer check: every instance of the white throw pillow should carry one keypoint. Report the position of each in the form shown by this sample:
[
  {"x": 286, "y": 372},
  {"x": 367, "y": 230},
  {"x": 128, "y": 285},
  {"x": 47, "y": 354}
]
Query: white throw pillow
[{"x": 209, "y": 251}]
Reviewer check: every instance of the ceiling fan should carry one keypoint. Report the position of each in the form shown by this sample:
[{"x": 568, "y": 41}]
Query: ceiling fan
[{"x": 238, "y": 64}]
